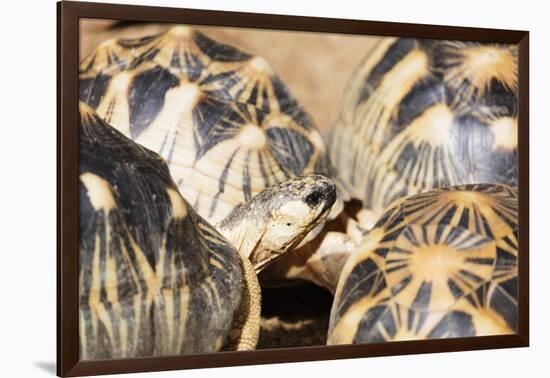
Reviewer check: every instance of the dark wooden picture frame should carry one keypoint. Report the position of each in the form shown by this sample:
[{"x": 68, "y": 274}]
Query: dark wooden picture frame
[{"x": 68, "y": 15}]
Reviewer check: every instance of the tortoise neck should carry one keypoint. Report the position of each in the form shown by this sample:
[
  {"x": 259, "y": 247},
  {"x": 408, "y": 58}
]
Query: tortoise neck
[{"x": 245, "y": 235}]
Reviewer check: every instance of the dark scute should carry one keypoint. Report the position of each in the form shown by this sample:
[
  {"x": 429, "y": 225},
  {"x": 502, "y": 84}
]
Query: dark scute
[
  {"x": 423, "y": 95},
  {"x": 265, "y": 101},
  {"x": 146, "y": 97},
  {"x": 144, "y": 57},
  {"x": 359, "y": 284},
  {"x": 104, "y": 342},
  {"x": 453, "y": 235},
  {"x": 504, "y": 302},
  {"x": 225, "y": 82},
  {"x": 398, "y": 287},
  {"x": 422, "y": 298},
  {"x": 388, "y": 322},
  {"x": 247, "y": 185},
  {"x": 193, "y": 66},
  {"x": 176, "y": 232},
  {"x": 215, "y": 121},
  {"x": 422, "y": 317},
  {"x": 221, "y": 77},
  {"x": 221, "y": 182},
  {"x": 392, "y": 56},
  {"x": 473, "y": 147},
  {"x": 510, "y": 287},
  {"x": 500, "y": 167},
  {"x": 464, "y": 219},
  {"x": 393, "y": 235},
  {"x": 382, "y": 252},
  {"x": 253, "y": 99},
  {"x": 367, "y": 331},
  {"x": 92, "y": 90},
  {"x": 299, "y": 115},
  {"x": 502, "y": 100},
  {"x": 291, "y": 149},
  {"x": 287, "y": 102},
  {"x": 454, "y": 288},
  {"x": 406, "y": 159},
  {"x": 471, "y": 276},
  {"x": 480, "y": 260},
  {"x": 89, "y": 66},
  {"x": 219, "y": 51},
  {"x": 411, "y": 317},
  {"x": 454, "y": 324},
  {"x": 136, "y": 42},
  {"x": 392, "y": 218},
  {"x": 442, "y": 53},
  {"x": 505, "y": 259},
  {"x": 87, "y": 214},
  {"x": 430, "y": 46},
  {"x": 175, "y": 61}
]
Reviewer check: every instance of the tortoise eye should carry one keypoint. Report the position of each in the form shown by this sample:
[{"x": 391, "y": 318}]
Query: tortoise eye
[
  {"x": 313, "y": 199},
  {"x": 289, "y": 224}
]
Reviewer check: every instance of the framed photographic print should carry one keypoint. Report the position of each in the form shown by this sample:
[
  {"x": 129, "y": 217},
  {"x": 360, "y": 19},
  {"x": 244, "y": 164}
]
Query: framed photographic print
[{"x": 238, "y": 188}]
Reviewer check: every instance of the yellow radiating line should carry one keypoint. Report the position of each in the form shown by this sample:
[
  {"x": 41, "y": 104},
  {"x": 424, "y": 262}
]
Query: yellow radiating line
[
  {"x": 137, "y": 315},
  {"x": 215, "y": 263},
  {"x": 114, "y": 106},
  {"x": 374, "y": 57},
  {"x": 168, "y": 299},
  {"x": 95, "y": 286},
  {"x": 183, "y": 313},
  {"x": 111, "y": 289}
]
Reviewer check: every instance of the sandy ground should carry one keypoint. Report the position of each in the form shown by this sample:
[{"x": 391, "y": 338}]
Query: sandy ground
[{"x": 294, "y": 316}]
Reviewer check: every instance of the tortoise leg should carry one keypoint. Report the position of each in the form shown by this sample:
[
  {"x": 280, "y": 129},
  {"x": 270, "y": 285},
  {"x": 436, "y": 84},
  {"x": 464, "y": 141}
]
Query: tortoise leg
[
  {"x": 319, "y": 261},
  {"x": 245, "y": 330},
  {"x": 325, "y": 264}
]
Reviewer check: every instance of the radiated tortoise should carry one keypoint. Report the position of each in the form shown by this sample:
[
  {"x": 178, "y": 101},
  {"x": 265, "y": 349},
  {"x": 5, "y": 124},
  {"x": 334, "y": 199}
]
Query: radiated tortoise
[
  {"x": 155, "y": 277},
  {"x": 437, "y": 264},
  {"x": 224, "y": 121},
  {"x": 420, "y": 114},
  {"x": 417, "y": 115}
]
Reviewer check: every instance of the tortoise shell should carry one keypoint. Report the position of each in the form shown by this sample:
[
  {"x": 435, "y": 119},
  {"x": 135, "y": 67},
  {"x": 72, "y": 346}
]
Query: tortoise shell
[
  {"x": 224, "y": 121},
  {"x": 155, "y": 278},
  {"x": 437, "y": 264},
  {"x": 419, "y": 114}
]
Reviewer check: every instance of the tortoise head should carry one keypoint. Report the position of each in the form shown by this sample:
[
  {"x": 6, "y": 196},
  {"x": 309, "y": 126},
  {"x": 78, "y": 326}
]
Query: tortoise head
[{"x": 277, "y": 219}]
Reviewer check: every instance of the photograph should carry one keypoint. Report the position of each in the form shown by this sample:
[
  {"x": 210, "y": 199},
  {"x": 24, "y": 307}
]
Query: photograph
[{"x": 244, "y": 189}]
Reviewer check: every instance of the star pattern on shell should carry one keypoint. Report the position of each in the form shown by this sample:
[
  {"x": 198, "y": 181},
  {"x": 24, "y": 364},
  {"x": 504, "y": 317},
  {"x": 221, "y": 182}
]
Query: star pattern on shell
[
  {"x": 224, "y": 121},
  {"x": 438, "y": 264},
  {"x": 420, "y": 114}
]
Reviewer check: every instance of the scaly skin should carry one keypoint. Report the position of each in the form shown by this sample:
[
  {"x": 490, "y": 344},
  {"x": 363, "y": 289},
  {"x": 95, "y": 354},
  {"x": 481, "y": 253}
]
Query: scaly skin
[
  {"x": 272, "y": 223},
  {"x": 245, "y": 330}
]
